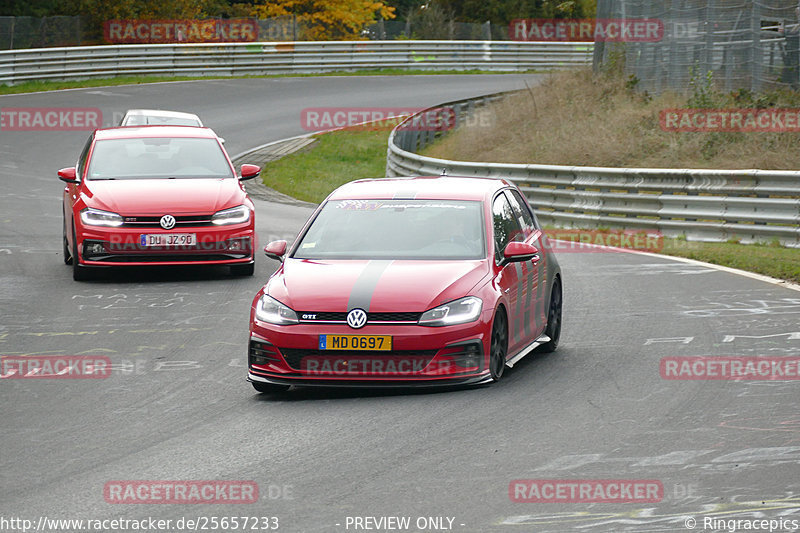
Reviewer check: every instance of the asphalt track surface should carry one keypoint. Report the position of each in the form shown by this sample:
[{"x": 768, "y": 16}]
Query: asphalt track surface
[{"x": 177, "y": 406}]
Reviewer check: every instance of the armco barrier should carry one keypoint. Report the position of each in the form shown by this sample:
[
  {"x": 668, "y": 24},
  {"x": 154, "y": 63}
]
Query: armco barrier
[
  {"x": 702, "y": 205},
  {"x": 233, "y": 59}
]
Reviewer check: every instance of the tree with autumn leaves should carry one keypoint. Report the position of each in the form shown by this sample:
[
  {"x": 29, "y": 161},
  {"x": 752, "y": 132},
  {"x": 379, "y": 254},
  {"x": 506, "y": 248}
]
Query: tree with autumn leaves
[
  {"x": 327, "y": 19},
  {"x": 320, "y": 19}
]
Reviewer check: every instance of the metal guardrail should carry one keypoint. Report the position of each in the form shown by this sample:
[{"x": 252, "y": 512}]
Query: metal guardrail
[
  {"x": 235, "y": 59},
  {"x": 702, "y": 205}
]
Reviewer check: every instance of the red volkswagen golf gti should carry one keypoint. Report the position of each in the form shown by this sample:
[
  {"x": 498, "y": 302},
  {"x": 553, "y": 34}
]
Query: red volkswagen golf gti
[
  {"x": 156, "y": 195},
  {"x": 407, "y": 282}
]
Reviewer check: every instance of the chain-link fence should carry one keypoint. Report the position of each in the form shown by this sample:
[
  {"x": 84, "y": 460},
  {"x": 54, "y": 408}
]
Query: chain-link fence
[
  {"x": 31, "y": 32},
  {"x": 743, "y": 43},
  {"x": 439, "y": 30},
  {"x": 35, "y": 32}
]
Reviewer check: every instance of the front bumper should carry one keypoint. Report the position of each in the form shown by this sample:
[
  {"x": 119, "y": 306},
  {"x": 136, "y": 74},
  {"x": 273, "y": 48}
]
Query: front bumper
[
  {"x": 420, "y": 356},
  {"x": 117, "y": 247}
]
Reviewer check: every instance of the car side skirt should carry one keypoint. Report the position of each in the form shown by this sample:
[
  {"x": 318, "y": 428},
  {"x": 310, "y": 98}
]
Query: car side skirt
[{"x": 544, "y": 339}]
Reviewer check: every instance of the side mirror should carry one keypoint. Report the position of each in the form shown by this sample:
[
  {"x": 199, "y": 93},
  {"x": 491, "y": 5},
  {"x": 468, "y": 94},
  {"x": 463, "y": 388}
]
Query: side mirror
[
  {"x": 276, "y": 250},
  {"x": 519, "y": 252},
  {"x": 68, "y": 175},
  {"x": 221, "y": 140},
  {"x": 250, "y": 171}
]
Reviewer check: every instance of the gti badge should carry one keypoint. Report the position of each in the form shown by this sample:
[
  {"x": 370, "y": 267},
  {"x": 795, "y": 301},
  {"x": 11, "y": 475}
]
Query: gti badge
[
  {"x": 357, "y": 318},
  {"x": 167, "y": 222}
]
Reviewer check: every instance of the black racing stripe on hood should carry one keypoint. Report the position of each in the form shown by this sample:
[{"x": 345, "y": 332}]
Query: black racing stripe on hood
[{"x": 361, "y": 295}]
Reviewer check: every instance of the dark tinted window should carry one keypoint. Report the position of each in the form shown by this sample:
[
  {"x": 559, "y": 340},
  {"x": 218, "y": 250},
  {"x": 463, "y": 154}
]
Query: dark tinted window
[
  {"x": 83, "y": 156},
  {"x": 522, "y": 212},
  {"x": 506, "y": 226}
]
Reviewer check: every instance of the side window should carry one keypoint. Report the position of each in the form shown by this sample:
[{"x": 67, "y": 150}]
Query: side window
[
  {"x": 506, "y": 226},
  {"x": 84, "y": 155},
  {"x": 522, "y": 212}
]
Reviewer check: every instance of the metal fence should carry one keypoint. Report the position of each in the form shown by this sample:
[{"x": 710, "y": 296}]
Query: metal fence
[
  {"x": 702, "y": 205},
  {"x": 746, "y": 44},
  {"x": 35, "y": 32},
  {"x": 231, "y": 59},
  {"x": 17, "y": 33}
]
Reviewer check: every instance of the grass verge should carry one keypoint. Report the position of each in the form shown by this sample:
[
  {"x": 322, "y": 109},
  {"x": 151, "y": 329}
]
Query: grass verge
[
  {"x": 343, "y": 156},
  {"x": 771, "y": 260},
  {"x": 41, "y": 86},
  {"x": 578, "y": 118},
  {"x": 335, "y": 159}
]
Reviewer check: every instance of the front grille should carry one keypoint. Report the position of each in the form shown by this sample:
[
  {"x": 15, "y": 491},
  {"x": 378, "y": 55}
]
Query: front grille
[
  {"x": 371, "y": 317},
  {"x": 132, "y": 252},
  {"x": 155, "y": 222},
  {"x": 294, "y": 357},
  {"x": 167, "y": 258}
]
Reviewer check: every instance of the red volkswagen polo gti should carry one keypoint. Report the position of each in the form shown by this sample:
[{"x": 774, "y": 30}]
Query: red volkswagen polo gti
[
  {"x": 407, "y": 282},
  {"x": 156, "y": 195}
]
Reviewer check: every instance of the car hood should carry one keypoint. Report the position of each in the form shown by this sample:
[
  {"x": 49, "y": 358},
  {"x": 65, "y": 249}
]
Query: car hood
[
  {"x": 376, "y": 286},
  {"x": 161, "y": 196}
]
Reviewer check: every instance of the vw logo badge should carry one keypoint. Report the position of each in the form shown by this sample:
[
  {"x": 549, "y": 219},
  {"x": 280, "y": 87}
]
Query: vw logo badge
[
  {"x": 357, "y": 318},
  {"x": 167, "y": 222}
]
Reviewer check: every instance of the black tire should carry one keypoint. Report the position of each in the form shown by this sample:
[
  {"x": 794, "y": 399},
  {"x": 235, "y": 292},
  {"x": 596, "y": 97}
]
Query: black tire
[
  {"x": 499, "y": 346},
  {"x": 66, "y": 250},
  {"x": 553, "y": 329},
  {"x": 243, "y": 270},
  {"x": 267, "y": 388},
  {"x": 79, "y": 273}
]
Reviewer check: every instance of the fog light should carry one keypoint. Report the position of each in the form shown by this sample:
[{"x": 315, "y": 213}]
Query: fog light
[
  {"x": 471, "y": 356},
  {"x": 262, "y": 353},
  {"x": 235, "y": 245},
  {"x": 92, "y": 248}
]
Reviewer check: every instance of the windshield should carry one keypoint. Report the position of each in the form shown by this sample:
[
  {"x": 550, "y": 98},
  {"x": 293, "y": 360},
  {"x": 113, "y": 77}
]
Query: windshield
[
  {"x": 158, "y": 157},
  {"x": 396, "y": 229},
  {"x": 155, "y": 120}
]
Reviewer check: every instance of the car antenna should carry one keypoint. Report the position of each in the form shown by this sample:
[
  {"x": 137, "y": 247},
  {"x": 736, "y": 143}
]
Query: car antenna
[{"x": 444, "y": 171}]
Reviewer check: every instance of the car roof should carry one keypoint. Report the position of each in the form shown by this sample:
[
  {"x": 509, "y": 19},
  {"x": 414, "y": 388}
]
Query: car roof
[
  {"x": 421, "y": 187},
  {"x": 161, "y": 113},
  {"x": 138, "y": 132}
]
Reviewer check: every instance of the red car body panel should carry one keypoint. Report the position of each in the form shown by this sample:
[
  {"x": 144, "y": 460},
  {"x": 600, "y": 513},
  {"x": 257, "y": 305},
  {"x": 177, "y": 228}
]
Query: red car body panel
[
  {"x": 324, "y": 289},
  {"x": 136, "y": 199}
]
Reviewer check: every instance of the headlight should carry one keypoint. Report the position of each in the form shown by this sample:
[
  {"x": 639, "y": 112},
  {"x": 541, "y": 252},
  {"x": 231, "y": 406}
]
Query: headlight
[
  {"x": 458, "y": 312},
  {"x": 235, "y": 215},
  {"x": 96, "y": 217},
  {"x": 271, "y": 310}
]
